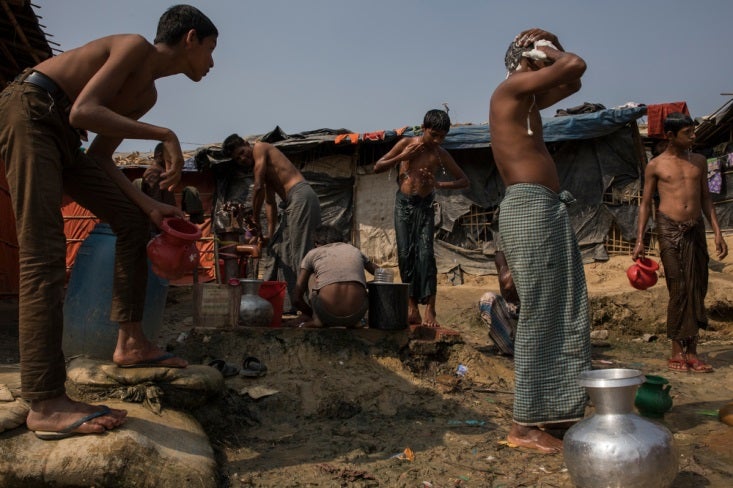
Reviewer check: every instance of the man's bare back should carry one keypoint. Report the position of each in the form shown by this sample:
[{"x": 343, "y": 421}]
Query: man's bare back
[
  {"x": 280, "y": 175},
  {"x": 514, "y": 114},
  {"x": 678, "y": 181},
  {"x": 111, "y": 83},
  {"x": 73, "y": 71},
  {"x": 520, "y": 157}
]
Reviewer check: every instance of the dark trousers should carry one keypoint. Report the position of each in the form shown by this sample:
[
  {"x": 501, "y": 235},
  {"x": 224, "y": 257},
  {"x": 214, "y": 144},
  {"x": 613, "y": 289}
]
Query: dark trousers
[{"x": 43, "y": 160}]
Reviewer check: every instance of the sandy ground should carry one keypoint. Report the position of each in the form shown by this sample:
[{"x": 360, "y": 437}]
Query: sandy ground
[{"x": 341, "y": 408}]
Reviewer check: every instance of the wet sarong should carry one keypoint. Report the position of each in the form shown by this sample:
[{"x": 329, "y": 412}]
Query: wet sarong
[
  {"x": 552, "y": 343},
  {"x": 414, "y": 223},
  {"x": 684, "y": 252},
  {"x": 293, "y": 237}
]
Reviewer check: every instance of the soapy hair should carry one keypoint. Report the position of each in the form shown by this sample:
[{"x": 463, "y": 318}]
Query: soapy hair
[{"x": 514, "y": 55}]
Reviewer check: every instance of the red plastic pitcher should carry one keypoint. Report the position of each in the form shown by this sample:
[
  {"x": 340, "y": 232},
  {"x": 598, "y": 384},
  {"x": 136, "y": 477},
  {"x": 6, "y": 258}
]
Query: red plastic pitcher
[
  {"x": 643, "y": 274},
  {"x": 173, "y": 252}
]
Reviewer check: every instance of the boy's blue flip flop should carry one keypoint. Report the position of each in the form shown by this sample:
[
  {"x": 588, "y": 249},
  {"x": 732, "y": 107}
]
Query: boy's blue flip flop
[
  {"x": 69, "y": 431},
  {"x": 151, "y": 363}
]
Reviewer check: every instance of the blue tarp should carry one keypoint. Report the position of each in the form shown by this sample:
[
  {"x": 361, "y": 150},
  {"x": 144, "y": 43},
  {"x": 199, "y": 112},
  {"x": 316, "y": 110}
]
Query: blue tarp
[
  {"x": 556, "y": 129},
  {"x": 594, "y": 153}
]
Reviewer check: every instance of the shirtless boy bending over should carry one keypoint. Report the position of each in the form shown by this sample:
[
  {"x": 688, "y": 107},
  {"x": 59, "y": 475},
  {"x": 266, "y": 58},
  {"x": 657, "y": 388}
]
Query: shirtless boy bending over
[{"x": 104, "y": 86}]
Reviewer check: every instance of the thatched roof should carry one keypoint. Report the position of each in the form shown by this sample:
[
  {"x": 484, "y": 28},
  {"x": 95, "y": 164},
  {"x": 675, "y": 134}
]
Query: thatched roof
[
  {"x": 22, "y": 40},
  {"x": 716, "y": 128}
]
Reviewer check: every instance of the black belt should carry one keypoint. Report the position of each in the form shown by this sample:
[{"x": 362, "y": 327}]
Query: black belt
[{"x": 42, "y": 81}]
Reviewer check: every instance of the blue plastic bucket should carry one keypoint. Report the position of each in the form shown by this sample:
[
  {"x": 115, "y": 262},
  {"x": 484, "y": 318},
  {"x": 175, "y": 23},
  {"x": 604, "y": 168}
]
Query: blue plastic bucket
[{"x": 88, "y": 329}]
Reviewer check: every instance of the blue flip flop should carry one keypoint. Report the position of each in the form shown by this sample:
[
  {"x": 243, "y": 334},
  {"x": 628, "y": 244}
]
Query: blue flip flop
[
  {"x": 253, "y": 367},
  {"x": 227, "y": 370},
  {"x": 151, "y": 363},
  {"x": 69, "y": 431}
]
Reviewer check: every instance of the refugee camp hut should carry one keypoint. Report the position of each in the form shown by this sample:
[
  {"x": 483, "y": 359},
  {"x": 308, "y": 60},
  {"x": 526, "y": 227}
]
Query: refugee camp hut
[
  {"x": 22, "y": 44},
  {"x": 600, "y": 161},
  {"x": 599, "y": 157},
  {"x": 714, "y": 139}
]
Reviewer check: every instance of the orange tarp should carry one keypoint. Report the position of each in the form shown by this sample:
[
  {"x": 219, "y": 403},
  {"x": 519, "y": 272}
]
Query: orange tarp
[{"x": 79, "y": 222}]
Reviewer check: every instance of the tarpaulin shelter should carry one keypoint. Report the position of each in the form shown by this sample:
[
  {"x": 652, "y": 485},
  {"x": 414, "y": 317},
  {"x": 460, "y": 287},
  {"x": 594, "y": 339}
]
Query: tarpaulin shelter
[
  {"x": 599, "y": 158},
  {"x": 714, "y": 139}
]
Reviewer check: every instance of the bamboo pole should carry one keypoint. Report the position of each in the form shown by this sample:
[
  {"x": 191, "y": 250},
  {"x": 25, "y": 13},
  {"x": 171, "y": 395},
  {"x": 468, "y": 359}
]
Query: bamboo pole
[{"x": 19, "y": 30}]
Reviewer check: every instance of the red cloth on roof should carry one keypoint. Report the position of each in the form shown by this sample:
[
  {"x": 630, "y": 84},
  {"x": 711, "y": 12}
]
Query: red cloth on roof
[
  {"x": 655, "y": 115},
  {"x": 373, "y": 136}
]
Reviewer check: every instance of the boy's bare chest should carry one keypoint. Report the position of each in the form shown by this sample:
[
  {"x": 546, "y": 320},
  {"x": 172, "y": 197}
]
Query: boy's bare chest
[
  {"x": 679, "y": 172},
  {"x": 136, "y": 94},
  {"x": 429, "y": 160}
]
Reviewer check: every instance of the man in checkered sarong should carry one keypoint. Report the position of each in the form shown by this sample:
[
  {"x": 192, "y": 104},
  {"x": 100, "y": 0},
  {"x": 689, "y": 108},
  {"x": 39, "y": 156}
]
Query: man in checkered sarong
[{"x": 552, "y": 343}]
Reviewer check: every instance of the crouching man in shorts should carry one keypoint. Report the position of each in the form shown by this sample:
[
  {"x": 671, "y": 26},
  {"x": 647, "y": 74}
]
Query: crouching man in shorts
[{"x": 333, "y": 275}]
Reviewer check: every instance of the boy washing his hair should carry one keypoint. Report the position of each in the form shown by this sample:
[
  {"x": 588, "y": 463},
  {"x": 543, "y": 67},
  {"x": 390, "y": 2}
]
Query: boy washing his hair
[{"x": 552, "y": 342}]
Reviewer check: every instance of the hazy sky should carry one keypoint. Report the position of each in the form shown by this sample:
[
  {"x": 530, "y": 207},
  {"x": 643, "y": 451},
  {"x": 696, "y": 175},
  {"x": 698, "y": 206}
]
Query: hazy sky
[{"x": 381, "y": 64}]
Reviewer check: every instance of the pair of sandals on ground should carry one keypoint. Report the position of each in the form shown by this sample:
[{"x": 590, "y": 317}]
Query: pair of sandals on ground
[
  {"x": 251, "y": 367},
  {"x": 681, "y": 362}
]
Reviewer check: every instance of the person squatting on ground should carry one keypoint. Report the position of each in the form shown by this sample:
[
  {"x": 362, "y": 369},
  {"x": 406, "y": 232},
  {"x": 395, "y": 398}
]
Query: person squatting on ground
[
  {"x": 552, "y": 343},
  {"x": 274, "y": 174},
  {"x": 332, "y": 274},
  {"x": 418, "y": 160},
  {"x": 501, "y": 312},
  {"x": 104, "y": 86},
  {"x": 680, "y": 178}
]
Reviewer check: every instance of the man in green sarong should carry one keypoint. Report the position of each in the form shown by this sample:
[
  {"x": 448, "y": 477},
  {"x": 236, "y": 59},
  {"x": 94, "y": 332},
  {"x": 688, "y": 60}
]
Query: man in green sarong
[{"x": 552, "y": 343}]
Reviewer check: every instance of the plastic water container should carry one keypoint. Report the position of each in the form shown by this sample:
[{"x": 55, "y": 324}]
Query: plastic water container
[
  {"x": 274, "y": 292},
  {"x": 88, "y": 329},
  {"x": 383, "y": 275}
]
